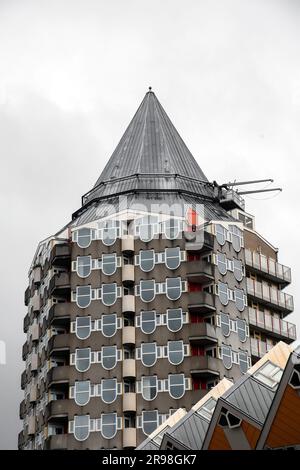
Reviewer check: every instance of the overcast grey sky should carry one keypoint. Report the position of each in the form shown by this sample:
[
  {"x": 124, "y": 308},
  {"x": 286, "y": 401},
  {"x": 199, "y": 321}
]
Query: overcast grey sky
[{"x": 72, "y": 73}]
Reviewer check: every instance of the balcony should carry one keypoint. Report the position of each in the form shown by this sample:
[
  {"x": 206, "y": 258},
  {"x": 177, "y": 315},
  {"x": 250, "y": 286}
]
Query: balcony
[
  {"x": 37, "y": 275},
  {"x": 259, "y": 348},
  {"x": 26, "y": 323},
  {"x": 21, "y": 440},
  {"x": 281, "y": 329},
  {"x": 36, "y": 302},
  {"x": 205, "y": 367},
  {"x": 59, "y": 285},
  {"x": 25, "y": 350},
  {"x": 199, "y": 271},
  {"x": 35, "y": 332},
  {"x": 129, "y": 437},
  {"x": 60, "y": 342},
  {"x": 199, "y": 242},
  {"x": 33, "y": 393},
  {"x": 34, "y": 362},
  {"x": 203, "y": 334},
  {"x": 58, "y": 409},
  {"x": 271, "y": 270},
  {"x": 60, "y": 374},
  {"x": 128, "y": 335},
  {"x": 128, "y": 303},
  {"x": 57, "y": 442},
  {"x": 129, "y": 368},
  {"x": 60, "y": 254},
  {"x": 230, "y": 199},
  {"x": 128, "y": 244},
  {"x": 128, "y": 274},
  {"x": 201, "y": 302},
  {"x": 22, "y": 411},
  {"x": 129, "y": 402},
  {"x": 31, "y": 425},
  {"x": 270, "y": 296},
  {"x": 23, "y": 379},
  {"x": 59, "y": 312},
  {"x": 27, "y": 296}
]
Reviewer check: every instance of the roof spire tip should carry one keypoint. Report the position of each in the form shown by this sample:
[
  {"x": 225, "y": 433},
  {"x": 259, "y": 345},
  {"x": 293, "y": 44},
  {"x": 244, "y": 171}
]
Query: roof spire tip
[{"x": 150, "y": 88}]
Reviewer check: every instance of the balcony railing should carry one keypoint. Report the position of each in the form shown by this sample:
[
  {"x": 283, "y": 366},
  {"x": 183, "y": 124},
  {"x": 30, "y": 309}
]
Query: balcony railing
[
  {"x": 259, "y": 348},
  {"x": 270, "y": 295},
  {"x": 275, "y": 325},
  {"x": 273, "y": 270}
]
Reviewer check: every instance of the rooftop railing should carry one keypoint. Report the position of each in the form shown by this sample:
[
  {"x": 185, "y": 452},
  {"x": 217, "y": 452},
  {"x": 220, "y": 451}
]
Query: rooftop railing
[
  {"x": 271, "y": 323},
  {"x": 268, "y": 266}
]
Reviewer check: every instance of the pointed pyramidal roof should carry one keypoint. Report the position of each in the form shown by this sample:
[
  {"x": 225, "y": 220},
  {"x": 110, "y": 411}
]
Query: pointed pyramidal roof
[{"x": 151, "y": 145}]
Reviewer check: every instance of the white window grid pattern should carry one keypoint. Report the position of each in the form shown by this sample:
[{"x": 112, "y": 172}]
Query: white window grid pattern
[
  {"x": 232, "y": 325},
  {"x": 96, "y": 293},
  {"x": 161, "y": 418},
  {"x": 235, "y": 359},
  {"x": 161, "y": 287},
  {"x": 95, "y": 264},
  {"x": 214, "y": 289},
  {"x": 160, "y": 258},
  {"x": 96, "y": 390},
  {"x": 161, "y": 319},
  {"x": 162, "y": 352},
  {"x": 96, "y": 325},
  {"x": 163, "y": 385},
  {"x": 229, "y": 232},
  {"x": 95, "y": 424},
  {"x": 95, "y": 357},
  {"x": 229, "y": 263}
]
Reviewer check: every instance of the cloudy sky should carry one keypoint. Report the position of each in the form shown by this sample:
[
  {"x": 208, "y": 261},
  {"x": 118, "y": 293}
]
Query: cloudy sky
[{"x": 72, "y": 73}]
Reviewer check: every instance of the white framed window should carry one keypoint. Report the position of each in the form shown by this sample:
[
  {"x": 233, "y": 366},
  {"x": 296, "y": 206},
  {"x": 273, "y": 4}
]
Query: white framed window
[
  {"x": 236, "y": 237},
  {"x": 148, "y": 354},
  {"x": 81, "y": 427},
  {"x": 223, "y": 293},
  {"x": 83, "y": 326},
  {"x": 207, "y": 409},
  {"x": 109, "y": 390},
  {"x": 227, "y": 419},
  {"x": 109, "y": 263},
  {"x": 149, "y": 421},
  {"x": 173, "y": 288},
  {"x": 243, "y": 362},
  {"x": 109, "y": 325},
  {"x": 242, "y": 329},
  {"x": 146, "y": 260},
  {"x": 109, "y": 231},
  {"x": 221, "y": 263},
  {"x": 175, "y": 352},
  {"x": 239, "y": 299},
  {"x": 84, "y": 237},
  {"x": 82, "y": 359},
  {"x": 148, "y": 321},
  {"x": 269, "y": 374},
  {"x": 83, "y": 266},
  {"x": 109, "y": 293},
  {"x": 83, "y": 296},
  {"x": 176, "y": 385},
  {"x": 174, "y": 319},
  {"x": 238, "y": 269},
  {"x": 82, "y": 392},
  {"x": 225, "y": 323},
  {"x": 147, "y": 290},
  {"x": 149, "y": 387},
  {"x": 221, "y": 234},
  {"x": 109, "y": 357},
  {"x": 146, "y": 228},
  {"x": 172, "y": 228},
  {"x": 109, "y": 423},
  {"x": 173, "y": 258},
  {"x": 226, "y": 355}
]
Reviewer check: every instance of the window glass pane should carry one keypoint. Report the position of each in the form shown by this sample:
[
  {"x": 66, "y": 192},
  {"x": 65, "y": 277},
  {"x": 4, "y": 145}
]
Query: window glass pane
[
  {"x": 82, "y": 392},
  {"x": 145, "y": 226},
  {"x": 82, "y": 359},
  {"x": 147, "y": 260},
  {"x": 109, "y": 325},
  {"x": 225, "y": 324},
  {"x": 150, "y": 421},
  {"x": 173, "y": 288},
  {"x": 109, "y": 293},
  {"x": 175, "y": 352},
  {"x": 220, "y": 234},
  {"x": 109, "y": 425},
  {"x": 109, "y": 357},
  {"x": 239, "y": 299},
  {"x": 222, "y": 264},
  {"x": 81, "y": 427},
  {"x": 149, "y": 387},
  {"x": 223, "y": 293},
  {"x": 109, "y": 232},
  {"x": 243, "y": 361},
  {"x": 236, "y": 236},
  {"x": 241, "y": 329},
  {"x": 84, "y": 237},
  {"x": 172, "y": 229},
  {"x": 109, "y": 390},
  {"x": 227, "y": 357},
  {"x": 147, "y": 290},
  {"x": 172, "y": 257},
  {"x": 83, "y": 296},
  {"x": 174, "y": 319},
  {"x": 238, "y": 269},
  {"x": 109, "y": 264},
  {"x": 83, "y": 327},
  {"x": 84, "y": 266},
  {"x": 148, "y": 321},
  {"x": 176, "y": 385},
  {"x": 148, "y": 354}
]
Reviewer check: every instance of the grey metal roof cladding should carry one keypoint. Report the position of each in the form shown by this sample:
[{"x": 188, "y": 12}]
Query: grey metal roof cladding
[
  {"x": 190, "y": 430},
  {"x": 151, "y": 144},
  {"x": 251, "y": 397}
]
